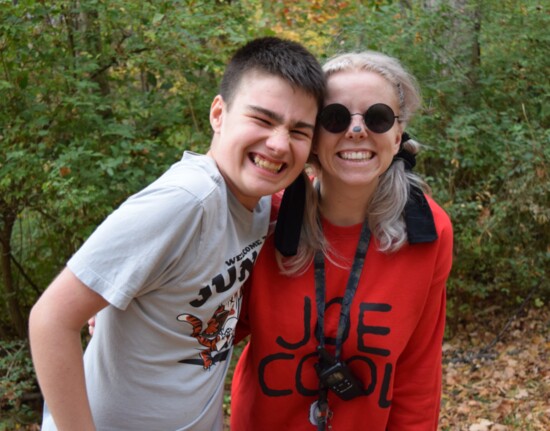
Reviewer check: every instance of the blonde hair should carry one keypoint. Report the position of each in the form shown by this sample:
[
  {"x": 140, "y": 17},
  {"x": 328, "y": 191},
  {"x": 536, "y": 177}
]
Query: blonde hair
[{"x": 385, "y": 212}]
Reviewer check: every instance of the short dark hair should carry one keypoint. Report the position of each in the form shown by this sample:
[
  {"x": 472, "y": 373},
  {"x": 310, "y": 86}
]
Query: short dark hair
[{"x": 278, "y": 57}]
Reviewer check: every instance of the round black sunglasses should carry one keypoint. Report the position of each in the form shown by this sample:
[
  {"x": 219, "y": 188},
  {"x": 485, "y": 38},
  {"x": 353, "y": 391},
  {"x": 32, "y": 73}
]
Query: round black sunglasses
[{"x": 336, "y": 118}]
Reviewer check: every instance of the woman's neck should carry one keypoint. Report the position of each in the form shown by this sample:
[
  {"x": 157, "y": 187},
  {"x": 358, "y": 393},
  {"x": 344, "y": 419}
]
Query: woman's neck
[{"x": 344, "y": 206}]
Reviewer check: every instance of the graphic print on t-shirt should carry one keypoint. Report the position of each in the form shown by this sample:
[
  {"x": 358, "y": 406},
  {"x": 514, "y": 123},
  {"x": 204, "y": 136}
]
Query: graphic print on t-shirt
[
  {"x": 370, "y": 359},
  {"x": 218, "y": 334},
  {"x": 219, "y": 331}
]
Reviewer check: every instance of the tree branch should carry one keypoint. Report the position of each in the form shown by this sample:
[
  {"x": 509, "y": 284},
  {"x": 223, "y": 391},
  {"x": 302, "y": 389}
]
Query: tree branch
[
  {"x": 511, "y": 319},
  {"x": 24, "y": 274}
]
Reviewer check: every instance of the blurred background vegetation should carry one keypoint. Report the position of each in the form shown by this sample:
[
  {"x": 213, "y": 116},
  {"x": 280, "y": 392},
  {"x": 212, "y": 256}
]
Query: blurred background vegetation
[{"x": 98, "y": 98}]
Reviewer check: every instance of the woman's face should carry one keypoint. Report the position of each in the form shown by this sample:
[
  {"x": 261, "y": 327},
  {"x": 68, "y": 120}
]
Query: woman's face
[{"x": 356, "y": 157}]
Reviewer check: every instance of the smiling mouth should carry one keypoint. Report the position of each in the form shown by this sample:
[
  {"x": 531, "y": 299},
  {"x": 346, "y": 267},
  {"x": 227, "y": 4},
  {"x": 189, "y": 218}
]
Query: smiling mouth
[
  {"x": 266, "y": 164},
  {"x": 356, "y": 155}
]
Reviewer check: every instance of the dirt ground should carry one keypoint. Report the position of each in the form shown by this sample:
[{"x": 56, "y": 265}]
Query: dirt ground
[{"x": 497, "y": 374}]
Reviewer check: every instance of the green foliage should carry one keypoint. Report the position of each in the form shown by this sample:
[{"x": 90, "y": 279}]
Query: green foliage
[
  {"x": 98, "y": 98},
  {"x": 18, "y": 389},
  {"x": 485, "y": 126}
]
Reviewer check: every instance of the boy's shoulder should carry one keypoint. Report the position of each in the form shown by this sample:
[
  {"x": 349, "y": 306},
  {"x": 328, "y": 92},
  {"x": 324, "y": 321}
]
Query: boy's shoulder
[
  {"x": 195, "y": 173},
  {"x": 198, "y": 163}
]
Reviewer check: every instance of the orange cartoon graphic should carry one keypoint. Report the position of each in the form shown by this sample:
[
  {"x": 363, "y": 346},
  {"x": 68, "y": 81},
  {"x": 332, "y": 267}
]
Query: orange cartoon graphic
[{"x": 216, "y": 336}]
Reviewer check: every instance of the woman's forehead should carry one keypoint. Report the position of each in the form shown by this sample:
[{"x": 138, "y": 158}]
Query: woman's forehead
[{"x": 360, "y": 86}]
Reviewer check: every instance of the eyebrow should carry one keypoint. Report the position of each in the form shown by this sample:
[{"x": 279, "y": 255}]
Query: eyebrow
[{"x": 278, "y": 118}]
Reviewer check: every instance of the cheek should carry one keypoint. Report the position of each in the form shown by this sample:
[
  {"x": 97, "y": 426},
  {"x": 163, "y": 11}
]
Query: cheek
[
  {"x": 388, "y": 145},
  {"x": 322, "y": 141},
  {"x": 304, "y": 154},
  {"x": 330, "y": 145},
  {"x": 322, "y": 156}
]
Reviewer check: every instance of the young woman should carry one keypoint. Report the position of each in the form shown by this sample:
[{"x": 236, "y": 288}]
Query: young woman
[{"x": 347, "y": 333}]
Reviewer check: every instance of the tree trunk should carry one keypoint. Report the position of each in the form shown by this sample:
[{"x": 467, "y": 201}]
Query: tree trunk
[
  {"x": 463, "y": 40},
  {"x": 92, "y": 36},
  {"x": 88, "y": 25},
  {"x": 14, "y": 311}
]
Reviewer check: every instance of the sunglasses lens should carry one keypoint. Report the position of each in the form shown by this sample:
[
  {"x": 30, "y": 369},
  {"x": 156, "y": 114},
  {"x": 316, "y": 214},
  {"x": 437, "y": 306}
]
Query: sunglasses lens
[
  {"x": 379, "y": 118},
  {"x": 335, "y": 118}
]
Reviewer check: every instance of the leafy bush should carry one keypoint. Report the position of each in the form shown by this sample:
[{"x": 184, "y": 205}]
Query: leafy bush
[
  {"x": 20, "y": 399},
  {"x": 98, "y": 98},
  {"x": 485, "y": 126}
]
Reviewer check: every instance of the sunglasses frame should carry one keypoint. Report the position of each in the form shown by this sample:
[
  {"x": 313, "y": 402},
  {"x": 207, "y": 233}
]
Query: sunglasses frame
[{"x": 366, "y": 118}]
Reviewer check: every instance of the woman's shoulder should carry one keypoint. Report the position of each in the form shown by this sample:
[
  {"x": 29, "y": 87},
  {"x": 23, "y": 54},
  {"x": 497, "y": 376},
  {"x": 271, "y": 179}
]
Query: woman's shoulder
[{"x": 441, "y": 217}]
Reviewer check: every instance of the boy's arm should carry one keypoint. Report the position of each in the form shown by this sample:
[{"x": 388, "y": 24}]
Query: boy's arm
[{"x": 54, "y": 330}]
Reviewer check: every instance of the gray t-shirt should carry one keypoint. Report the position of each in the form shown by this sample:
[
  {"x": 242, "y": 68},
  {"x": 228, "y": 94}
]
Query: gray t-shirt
[{"x": 171, "y": 262}]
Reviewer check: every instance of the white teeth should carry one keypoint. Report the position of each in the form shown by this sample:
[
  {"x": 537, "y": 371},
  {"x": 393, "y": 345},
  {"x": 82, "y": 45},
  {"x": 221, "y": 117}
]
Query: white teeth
[
  {"x": 356, "y": 155},
  {"x": 262, "y": 163}
]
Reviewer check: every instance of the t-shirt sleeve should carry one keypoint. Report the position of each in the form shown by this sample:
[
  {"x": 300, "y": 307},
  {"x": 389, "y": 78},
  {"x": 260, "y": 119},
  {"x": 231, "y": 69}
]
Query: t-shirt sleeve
[
  {"x": 243, "y": 324},
  {"x": 130, "y": 252}
]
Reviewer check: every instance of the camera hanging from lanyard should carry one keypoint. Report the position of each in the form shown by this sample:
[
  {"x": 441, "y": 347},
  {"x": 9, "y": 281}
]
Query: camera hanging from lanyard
[
  {"x": 337, "y": 377},
  {"x": 333, "y": 373}
]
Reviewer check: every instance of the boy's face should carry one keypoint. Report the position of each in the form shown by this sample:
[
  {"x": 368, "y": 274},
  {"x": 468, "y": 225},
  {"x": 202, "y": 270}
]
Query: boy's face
[{"x": 261, "y": 142}]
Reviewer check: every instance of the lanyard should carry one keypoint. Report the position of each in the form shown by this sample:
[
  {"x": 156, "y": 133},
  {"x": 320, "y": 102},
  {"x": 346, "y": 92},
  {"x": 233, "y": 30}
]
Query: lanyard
[
  {"x": 323, "y": 413},
  {"x": 351, "y": 287}
]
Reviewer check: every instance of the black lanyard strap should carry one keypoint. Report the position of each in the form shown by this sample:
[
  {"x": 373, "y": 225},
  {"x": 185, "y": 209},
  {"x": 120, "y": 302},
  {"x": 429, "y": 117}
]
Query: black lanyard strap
[{"x": 351, "y": 288}]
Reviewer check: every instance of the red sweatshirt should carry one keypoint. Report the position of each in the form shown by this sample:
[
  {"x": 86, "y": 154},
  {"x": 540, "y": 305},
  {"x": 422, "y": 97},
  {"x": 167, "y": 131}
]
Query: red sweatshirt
[{"x": 393, "y": 344}]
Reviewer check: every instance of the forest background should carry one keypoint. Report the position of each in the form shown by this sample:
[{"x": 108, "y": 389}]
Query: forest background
[{"x": 98, "y": 98}]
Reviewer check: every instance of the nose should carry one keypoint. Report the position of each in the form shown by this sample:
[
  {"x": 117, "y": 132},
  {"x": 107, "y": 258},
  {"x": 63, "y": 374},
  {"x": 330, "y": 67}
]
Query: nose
[
  {"x": 278, "y": 142},
  {"x": 356, "y": 129}
]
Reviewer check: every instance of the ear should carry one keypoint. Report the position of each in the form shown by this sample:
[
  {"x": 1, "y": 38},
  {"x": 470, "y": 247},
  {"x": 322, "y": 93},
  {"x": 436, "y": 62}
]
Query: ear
[
  {"x": 397, "y": 143},
  {"x": 217, "y": 110}
]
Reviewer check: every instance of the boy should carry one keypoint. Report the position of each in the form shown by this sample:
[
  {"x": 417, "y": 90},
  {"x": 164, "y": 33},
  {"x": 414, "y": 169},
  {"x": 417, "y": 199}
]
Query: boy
[{"x": 166, "y": 268}]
